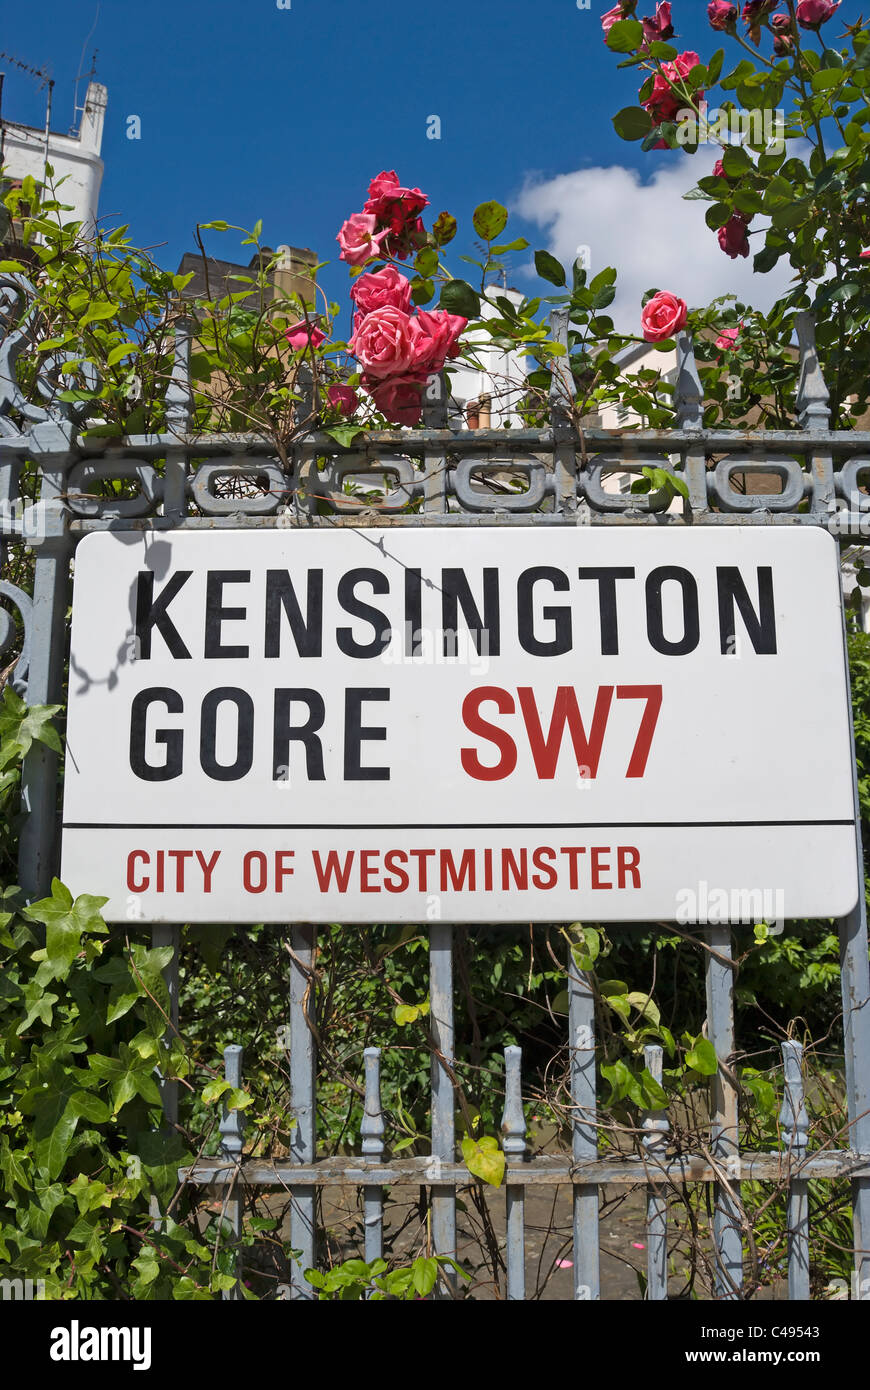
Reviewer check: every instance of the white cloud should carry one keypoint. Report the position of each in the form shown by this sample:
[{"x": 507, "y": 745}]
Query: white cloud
[{"x": 649, "y": 233}]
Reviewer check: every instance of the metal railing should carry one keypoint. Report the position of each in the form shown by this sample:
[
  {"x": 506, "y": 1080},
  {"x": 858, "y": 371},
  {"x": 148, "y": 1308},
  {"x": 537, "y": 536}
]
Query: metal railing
[{"x": 435, "y": 477}]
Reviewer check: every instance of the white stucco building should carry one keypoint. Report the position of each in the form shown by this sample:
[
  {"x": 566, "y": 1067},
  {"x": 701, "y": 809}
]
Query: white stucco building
[{"x": 75, "y": 158}]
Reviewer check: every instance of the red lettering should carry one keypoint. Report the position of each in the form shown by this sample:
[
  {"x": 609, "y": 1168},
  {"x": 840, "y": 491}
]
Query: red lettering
[
  {"x": 207, "y": 868},
  {"x": 421, "y": 855},
  {"x": 254, "y": 856},
  {"x": 598, "y": 868},
  {"x": 457, "y": 876},
  {"x": 653, "y": 696},
  {"x": 628, "y": 862},
  {"x": 131, "y": 858},
  {"x": 342, "y": 874},
  {"x": 547, "y": 869},
  {"x": 483, "y": 729},
  {"x": 281, "y": 871},
  {"x": 545, "y": 751},
  {"x": 573, "y": 852},
  {"x": 390, "y": 859},
  {"x": 509, "y": 866},
  {"x": 179, "y": 855},
  {"x": 366, "y": 870}
]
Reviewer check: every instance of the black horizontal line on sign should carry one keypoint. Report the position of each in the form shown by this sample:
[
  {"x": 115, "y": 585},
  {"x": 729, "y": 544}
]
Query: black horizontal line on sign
[{"x": 459, "y": 825}]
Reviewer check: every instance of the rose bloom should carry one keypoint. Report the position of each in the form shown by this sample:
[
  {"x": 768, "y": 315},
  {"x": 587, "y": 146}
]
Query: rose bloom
[
  {"x": 662, "y": 316},
  {"x": 299, "y": 335},
  {"x": 812, "y": 13},
  {"x": 864, "y": 256},
  {"x": 393, "y": 205},
  {"x": 663, "y": 103},
  {"x": 780, "y": 23},
  {"x": 439, "y": 339},
  {"x": 386, "y": 342},
  {"x": 727, "y": 338},
  {"x": 342, "y": 398},
  {"x": 608, "y": 20},
  {"x": 720, "y": 14},
  {"x": 386, "y": 286},
  {"x": 400, "y": 398},
  {"x": 754, "y": 10},
  {"x": 733, "y": 238},
  {"x": 661, "y": 27},
  {"x": 359, "y": 239},
  {"x": 719, "y": 170}
]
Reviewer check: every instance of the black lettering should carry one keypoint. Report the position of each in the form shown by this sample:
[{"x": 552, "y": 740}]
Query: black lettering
[
  {"x": 221, "y": 772},
  {"x": 357, "y": 609},
  {"x": 306, "y": 734},
  {"x": 151, "y": 613},
  {"x": 307, "y": 633},
  {"x": 654, "y": 618},
  {"x": 560, "y": 617},
  {"x": 216, "y": 614},
  {"x": 760, "y": 626},
  {"x": 355, "y": 733},
  {"x": 456, "y": 594},
  {"x": 607, "y": 576},
  {"x": 172, "y": 739}
]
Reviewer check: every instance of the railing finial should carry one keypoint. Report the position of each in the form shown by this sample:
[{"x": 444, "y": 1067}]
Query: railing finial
[{"x": 812, "y": 393}]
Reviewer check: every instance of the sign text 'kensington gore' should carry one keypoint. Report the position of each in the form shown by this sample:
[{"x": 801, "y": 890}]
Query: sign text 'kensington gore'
[
  {"x": 290, "y": 608},
  {"x": 400, "y": 724}
]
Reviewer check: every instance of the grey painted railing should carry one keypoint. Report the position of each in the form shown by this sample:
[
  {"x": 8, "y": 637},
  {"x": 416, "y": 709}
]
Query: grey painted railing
[{"x": 430, "y": 477}]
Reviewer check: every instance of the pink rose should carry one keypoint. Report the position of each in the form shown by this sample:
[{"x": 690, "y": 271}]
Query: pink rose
[
  {"x": 727, "y": 338},
  {"x": 439, "y": 339},
  {"x": 342, "y": 398},
  {"x": 662, "y": 316},
  {"x": 663, "y": 103},
  {"x": 733, "y": 238},
  {"x": 400, "y": 398},
  {"x": 719, "y": 170},
  {"x": 812, "y": 13},
  {"x": 755, "y": 10},
  {"x": 386, "y": 342},
  {"x": 359, "y": 239},
  {"x": 660, "y": 28},
  {"x": 721, "y": 15},
  {"x": 612, "y": 17},
  {"x": 864, "y": 256},
  {"x": 780, "y": 23},
  {"x": 386, "y": 286},
  {"x": 397, "y": 211},
  {"x": 299, "y": 335}
]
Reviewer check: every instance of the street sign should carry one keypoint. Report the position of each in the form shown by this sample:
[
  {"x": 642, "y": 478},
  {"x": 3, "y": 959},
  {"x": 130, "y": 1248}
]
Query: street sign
[{"x": 403, "y": 724}]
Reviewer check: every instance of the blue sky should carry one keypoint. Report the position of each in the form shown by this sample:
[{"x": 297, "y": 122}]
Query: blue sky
[{"x": 249, "y": 110}]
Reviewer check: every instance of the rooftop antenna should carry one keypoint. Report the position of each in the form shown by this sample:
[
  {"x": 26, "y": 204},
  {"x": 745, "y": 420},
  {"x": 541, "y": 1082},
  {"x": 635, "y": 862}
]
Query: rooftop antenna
[
  {"x": 92, "y": 72},
  {"x": 44, "y": 78}
]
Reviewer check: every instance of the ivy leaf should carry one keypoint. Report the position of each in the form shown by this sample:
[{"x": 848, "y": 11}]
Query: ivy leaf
[
  {"x": 484, "y": 1158},
  {"x": 65, "y": 922},
  {"x": 22, "y": 725}
]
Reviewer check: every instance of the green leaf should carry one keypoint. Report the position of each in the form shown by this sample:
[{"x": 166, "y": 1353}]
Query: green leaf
[
  {"x": 625, "y": 36},
  {"x": 632, "y": 123},
  {"x": 424, "y": 1273},
  {"x": 457, "y": 297},
  {"x": 549, "y": 268},
  {"x": 490, "y": 220},
  {"x": 344, "y": 434},
  {"x": 122, "y": 350},
  {"x": 444, "y": 228},
  {"x": 98, "y": 312},
  {"x": 484, "y": 1159},
  {"x": 701, "y": 1057}
]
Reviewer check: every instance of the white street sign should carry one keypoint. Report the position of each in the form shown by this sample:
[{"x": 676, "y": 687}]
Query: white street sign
[{"x": 456, "y": 724}]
